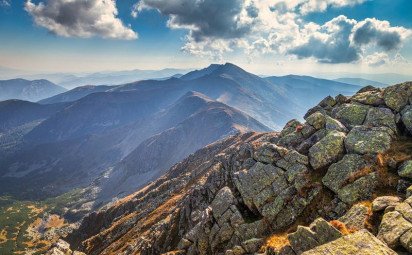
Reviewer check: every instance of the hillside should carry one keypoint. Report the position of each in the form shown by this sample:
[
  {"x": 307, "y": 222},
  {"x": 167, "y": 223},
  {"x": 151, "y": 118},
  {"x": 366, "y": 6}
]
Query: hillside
[
  {"x": 28, "y": 90},
  {"x": 339, "y": 183},
  {"x": 75, "y": 145},
  {"x": 362, "y": 82},
  {"x": 75, "y": 94}
]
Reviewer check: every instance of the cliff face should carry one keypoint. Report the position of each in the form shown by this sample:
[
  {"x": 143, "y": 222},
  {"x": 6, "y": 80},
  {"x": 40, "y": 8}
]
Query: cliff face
[{"x": 256, "y": 192}]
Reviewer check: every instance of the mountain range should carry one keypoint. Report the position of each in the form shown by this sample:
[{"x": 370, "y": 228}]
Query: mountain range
[
  {"x": 95, "y": 131},
  {"x": 28, "y": 90}
]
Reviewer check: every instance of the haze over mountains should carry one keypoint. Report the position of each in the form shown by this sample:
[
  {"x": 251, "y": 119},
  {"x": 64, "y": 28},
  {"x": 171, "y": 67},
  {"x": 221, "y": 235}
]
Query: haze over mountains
[
  {"x": 70, "y": 139},
  {"x": 28, "y": 90}
]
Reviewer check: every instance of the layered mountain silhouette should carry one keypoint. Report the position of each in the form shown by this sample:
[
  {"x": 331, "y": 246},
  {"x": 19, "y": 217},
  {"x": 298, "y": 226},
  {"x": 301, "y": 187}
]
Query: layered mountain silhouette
[
  {"x": 74, "y": 146},
  {"x": 28, "y": 90},
  {"x": 105, "y": 130}
]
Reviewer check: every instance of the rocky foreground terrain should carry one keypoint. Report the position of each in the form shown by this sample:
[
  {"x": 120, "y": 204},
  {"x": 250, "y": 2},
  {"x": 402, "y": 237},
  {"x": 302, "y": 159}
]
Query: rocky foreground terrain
[{"x": 340, "y": 183}]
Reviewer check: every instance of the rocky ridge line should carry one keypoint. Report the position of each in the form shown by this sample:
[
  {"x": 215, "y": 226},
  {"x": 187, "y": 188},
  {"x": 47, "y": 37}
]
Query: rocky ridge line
[{"x": 233, "y": 196}]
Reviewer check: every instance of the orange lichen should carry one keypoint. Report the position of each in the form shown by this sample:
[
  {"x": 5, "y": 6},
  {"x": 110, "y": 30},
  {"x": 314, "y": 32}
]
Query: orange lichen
[
  {"x": 359, "y": 174},
  {"x": 276, "y": 241},
  {"x": 342, "y": 227}
]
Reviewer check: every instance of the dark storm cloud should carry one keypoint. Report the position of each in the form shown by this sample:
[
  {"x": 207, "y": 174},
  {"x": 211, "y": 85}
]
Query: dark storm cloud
[
  {"x": 374, "y": 31},
  {"x": 205, "y": 19}
]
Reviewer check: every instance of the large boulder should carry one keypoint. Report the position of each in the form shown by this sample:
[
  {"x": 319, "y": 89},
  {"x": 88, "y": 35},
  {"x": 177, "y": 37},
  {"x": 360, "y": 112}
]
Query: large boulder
[
  {"x": 381, "y": 203},
  {"x": 316, "y": 120},
  {"x": 361, "y": 189},
  {"x": 260, "y": 184},
  {"x": 351, "y": 114},
  {"x": 356, "y": 217},
  {"x": 405, "y": 170},
  {"x": 345, "y": 171},
  {"x": 303, "y": 240},
  {"x": 397, "y": 96},
  {"x": 378, "y": 117},
  {"x": 361, "y": 242},
  {"x": 407, "y": 117},
  {"x": 328, "y": 150},
  {"x": 392, "y": 227},
  {"x": 365, "y": 140},
  {"x": 373, "y": 97},
  {"x": 269, "y": 153}
]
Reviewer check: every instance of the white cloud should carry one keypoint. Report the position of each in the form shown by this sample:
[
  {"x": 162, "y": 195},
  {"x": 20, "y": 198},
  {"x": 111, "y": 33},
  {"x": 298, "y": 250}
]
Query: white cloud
[
  {"x": 278, "y": 27},
  {"x": 322, "y": 5},
  {"x": 377, "y": 59},
  {"x": 79, "y": 18}
]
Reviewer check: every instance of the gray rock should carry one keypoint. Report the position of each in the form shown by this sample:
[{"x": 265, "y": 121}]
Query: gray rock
[
  {"x": 361, "y": 242},
  {"x": 406, "y": 240},
  {"x": 405, "y": 170},
  {"x": 356, "y": 217},
  {"x": 328, "y": 150},
  {"x": 252, "y": 245},
  {"x": 327, "y": 102},
  {"x": 303, "y": 240},
  {"x": 392, "y": 227},
  {"x": 223, "y": 200},
  {"x": 258, "y": 184},
  {"x": 333, "y": 124},
  {"x": 359, "y": 190},
  {"x": 378, "y": 117},
  {"x": 269, "y": 153},
  {"x": 407, "y": 117},
  {"x": 339, "y": 174},
  {"x": 316, "y": 120},
  {"x": 380, "y": 203},
  {"x": 364, "y": 140},
  {"x": 397, "y": 96},
  {"x": 371, "y": 97},
  {"x": 325, "y": 232},
  {"x": 405, "y": 209},
  {"x": 351, "y": 114}
]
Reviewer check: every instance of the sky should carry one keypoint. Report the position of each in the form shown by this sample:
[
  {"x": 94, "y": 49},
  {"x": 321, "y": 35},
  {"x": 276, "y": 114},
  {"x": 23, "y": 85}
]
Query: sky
[{"x": 272, "y": 37}]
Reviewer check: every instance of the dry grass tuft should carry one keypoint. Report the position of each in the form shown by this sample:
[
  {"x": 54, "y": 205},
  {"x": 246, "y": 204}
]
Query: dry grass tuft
[{"x": 342, "y": 227}]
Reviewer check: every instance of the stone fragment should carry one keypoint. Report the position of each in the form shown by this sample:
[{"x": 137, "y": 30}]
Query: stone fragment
[
  {"x": 303, "y": 240},
  {"x": 351, "y": 114},
  {"x": 405, "y": 170},
  {"x": 361, "y": 189},
  {"x": 328, "y": 150},
  {"x": 364, "y": 140},
  {"x": 360, "y": 242},
  {"x": 397, "y": 96},
  {"x": 356, "y": 217},
  {"x": 392, "y": 227},
  {"x": 378, "y": 117},
  {"x": 325, "y": 232},
  {"x": 407, "y": 117},
  {"x": 252, "y": 245},
  {"x": 316, "y": 120},
  {"x": 345, "y": 171},
  {"x": 380, "y": 203}
]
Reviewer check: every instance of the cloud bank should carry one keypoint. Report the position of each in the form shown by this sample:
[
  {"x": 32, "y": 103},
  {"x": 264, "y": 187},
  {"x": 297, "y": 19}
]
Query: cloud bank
[
  {"x": 79, "y": 18},
  {"x": 217, "y": 27}
]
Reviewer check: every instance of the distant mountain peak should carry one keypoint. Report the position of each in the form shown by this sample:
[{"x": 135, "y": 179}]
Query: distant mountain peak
[{"x": 214, "y": 69}]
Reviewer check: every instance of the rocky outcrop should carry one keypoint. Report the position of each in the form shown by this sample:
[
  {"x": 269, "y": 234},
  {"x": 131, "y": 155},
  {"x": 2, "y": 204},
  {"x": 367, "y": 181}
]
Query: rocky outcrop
[
  {"x": 233, "y": 196},
  {"x": 361, "y": 242}
]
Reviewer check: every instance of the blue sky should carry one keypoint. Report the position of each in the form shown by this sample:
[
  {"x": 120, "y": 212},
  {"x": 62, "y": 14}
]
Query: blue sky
[{"x": 264, "y": 36}]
